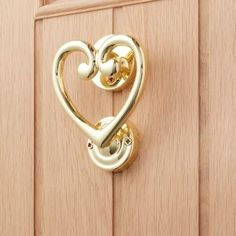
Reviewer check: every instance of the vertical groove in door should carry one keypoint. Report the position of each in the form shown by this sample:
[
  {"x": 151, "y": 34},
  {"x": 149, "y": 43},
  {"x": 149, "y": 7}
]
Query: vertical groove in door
[
  {"x": 38, "y": 57},
  {"x": 203, "y": 30},
  {"x": 113, "y": 174}
]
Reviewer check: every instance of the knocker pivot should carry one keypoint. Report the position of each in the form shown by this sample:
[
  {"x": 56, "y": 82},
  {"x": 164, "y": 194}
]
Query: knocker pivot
[{"x": 114, "y": 62}]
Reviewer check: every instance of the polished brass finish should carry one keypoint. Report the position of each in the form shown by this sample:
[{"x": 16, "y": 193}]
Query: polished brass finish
[
  {"x": 114, "y": 62},
  {"x": 121, "y": 151},
  {"x": 123, "y": 75}
]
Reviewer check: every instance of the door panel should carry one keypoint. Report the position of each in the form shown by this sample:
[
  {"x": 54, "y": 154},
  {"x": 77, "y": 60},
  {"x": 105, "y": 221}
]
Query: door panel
[
  {"x": 221, "y": 120},
  {"x": 158, "y": 194},
  {"x": 73, "y": 197},
  {"x": 16, "y": 118},
  {"x": 162, "y": 185}
]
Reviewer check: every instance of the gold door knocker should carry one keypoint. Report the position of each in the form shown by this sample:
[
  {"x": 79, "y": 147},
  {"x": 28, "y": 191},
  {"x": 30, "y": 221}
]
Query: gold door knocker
[{"x": 113, "y": 62}]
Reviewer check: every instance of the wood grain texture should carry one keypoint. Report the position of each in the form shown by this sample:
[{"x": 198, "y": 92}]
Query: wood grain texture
[
  {"x": 204, "y": 11},
  {"x": 158, "y": 194},
  {"x": 61, "y": 7},
  {"x": 17, "y": 118},
  {"x": 221, "y": 122},
  {"x": 91, "y": 2},
  {"x": 37, "y": 5},
  {"x": 73, "y": 196}
]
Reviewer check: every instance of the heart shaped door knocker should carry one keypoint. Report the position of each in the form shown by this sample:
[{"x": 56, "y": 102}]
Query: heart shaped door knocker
[{"x": 114, "y": 62}]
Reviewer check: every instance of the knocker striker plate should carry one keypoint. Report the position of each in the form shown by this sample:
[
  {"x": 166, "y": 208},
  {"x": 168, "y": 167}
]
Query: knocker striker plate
[
  {"x": 114, "y": 62},
  {"x": 121, "y": 151}
]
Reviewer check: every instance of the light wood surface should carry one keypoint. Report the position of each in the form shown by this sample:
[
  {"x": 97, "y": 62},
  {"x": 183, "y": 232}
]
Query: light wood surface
[
  {"x": 217, "y": 118},
  {"x": 59, "y": 8},
  {"x": 158, "y": 194},
  {"x": 221, "y": 121},
  {"x": 73, "y": 197},
  {"x": 37, "y": 5},
  {"x": 16, "y": 119}
]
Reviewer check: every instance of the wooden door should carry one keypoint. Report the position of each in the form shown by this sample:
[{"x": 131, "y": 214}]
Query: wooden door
[{"x": 183, "y": 182}]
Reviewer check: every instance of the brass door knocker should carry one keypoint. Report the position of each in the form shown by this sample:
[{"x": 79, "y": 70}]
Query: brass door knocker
[{"x": 114, "y": 62}]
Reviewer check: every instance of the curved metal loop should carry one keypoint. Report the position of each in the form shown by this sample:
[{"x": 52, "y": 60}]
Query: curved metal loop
[
  {"x": 101, "y": 137},
  {"x": 85, "y": 71}
]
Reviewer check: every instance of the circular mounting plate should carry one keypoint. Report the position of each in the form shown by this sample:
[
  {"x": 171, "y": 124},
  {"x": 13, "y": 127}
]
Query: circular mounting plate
[
  {"x": 120, "y": 80},
  {"x": 120, "y": 153}
]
